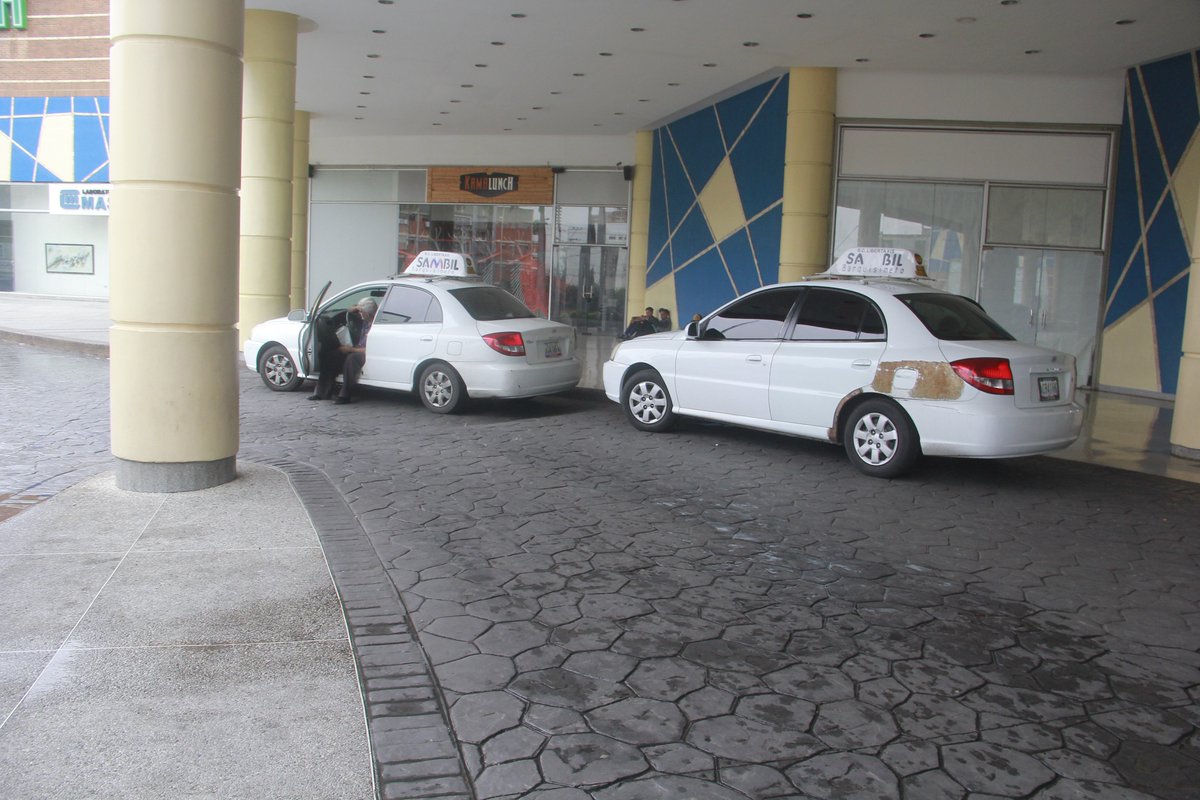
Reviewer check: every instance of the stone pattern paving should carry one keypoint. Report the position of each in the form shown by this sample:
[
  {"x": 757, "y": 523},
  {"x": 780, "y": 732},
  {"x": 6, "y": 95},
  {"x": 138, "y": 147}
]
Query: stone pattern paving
[{"x": 718, "y": 613}]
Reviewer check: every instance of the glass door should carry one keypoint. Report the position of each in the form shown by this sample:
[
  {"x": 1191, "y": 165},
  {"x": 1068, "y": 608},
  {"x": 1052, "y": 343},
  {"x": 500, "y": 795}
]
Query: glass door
[
  {"x": 591, "y": 260},
  {"x": 1046, "y": 297}
]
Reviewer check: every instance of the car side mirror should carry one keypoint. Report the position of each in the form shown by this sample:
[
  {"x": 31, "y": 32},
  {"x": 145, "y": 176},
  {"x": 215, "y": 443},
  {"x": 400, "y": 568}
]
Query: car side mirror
[
  {"x": 298, "y": 315},
  {"x": 692, "y": 330}
]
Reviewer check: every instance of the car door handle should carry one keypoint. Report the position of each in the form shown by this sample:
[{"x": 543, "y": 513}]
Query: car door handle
[
  {"x": 861, "y": 362},
  {"x": 426, "y": 338},
  {"x": 754, "y": 358}
]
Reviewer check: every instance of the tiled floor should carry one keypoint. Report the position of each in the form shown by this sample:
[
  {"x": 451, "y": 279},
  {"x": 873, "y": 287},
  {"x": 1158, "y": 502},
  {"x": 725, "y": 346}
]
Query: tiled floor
[{"x": 1131, "y": 433}]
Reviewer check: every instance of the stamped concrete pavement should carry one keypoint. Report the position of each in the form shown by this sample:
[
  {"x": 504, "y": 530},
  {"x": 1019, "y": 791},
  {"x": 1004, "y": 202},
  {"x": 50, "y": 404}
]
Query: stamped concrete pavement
[{"x": 548, "y": 604}]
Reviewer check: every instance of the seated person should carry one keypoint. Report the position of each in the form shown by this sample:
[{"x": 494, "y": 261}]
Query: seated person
[
  {"x": 356, "y": 352},
  {"x": 639, "y": 326},
  {"x": 664, "y": 321}
]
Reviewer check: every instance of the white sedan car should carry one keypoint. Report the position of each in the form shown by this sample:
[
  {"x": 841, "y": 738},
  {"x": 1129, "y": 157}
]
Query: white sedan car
[
  {"x": 437, "y": 332},
  {"x": 868, "y": 355}
]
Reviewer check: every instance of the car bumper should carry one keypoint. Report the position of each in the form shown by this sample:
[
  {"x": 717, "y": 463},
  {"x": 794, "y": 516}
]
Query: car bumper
[
  {"x": 613, "y": 374},
  {"x": 250, "y": 350},
  {"x": 995, "y": 429},
  {"x": 530, "y": 380}
]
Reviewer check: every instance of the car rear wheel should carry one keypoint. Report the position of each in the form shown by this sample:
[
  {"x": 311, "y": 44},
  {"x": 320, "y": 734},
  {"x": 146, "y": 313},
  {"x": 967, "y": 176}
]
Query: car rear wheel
[
  {"x": 647, "y": 402},
  {"x": 880, "y": 439},
  {"x": 278, "y": 370},
  {"x": 441, "y": 389}
]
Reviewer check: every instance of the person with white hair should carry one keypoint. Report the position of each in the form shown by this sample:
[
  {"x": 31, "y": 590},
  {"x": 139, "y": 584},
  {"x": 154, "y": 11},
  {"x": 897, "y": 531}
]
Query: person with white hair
[{"x": 356, "y": 351}]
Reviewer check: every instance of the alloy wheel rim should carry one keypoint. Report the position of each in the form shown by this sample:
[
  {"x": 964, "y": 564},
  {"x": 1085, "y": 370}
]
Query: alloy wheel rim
[
  {"x": 648, "y": 402},
  {"x": 875, "y": 439}
]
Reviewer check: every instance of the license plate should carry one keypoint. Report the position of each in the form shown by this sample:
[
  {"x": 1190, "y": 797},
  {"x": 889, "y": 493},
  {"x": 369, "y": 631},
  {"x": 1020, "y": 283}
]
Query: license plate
[
  {"x": 1048, "y": 389},
  {"x": 554, "y": 349}
]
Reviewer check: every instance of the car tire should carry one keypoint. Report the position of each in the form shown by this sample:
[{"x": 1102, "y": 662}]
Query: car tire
[
  {"x": 880, "y": 439},
  {"x": 278, "y": 371},
  {"x": 441, "y": 389},
  {"x": 646, "y": 402}
]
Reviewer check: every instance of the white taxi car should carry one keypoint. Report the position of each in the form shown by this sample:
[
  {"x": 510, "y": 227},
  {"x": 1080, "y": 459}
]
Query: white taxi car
[
  {"x": 439, "y": 331},
  {"x": 869, "y": 355}
]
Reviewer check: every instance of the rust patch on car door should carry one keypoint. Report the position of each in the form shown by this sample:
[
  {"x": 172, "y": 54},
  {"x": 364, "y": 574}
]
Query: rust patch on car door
[{"x": 921, "y": 380}]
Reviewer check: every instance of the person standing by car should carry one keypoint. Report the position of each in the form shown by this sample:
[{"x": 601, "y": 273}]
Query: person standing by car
[{"x": 356, "y": 351}]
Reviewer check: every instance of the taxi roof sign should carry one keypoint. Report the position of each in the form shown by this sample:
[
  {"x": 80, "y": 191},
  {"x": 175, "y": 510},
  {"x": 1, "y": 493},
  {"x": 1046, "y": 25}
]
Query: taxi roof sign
[
  {"x": 430, "y": 263},
  {"x": 877, "y": 262}
]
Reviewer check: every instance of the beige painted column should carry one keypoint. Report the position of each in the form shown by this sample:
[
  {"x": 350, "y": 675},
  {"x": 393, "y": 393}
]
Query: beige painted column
[
  {"x": 1185, "y": 424},
  {"x": 639, "y": 224},
  {"x": 268, "y": 108},
  {"x": 299, "y": 211},
  {"x": 807, "y": 172},
  {"x": 176, "y": 100}
]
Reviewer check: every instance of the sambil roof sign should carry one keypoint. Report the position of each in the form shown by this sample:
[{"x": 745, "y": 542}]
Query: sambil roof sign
[
  {"x": 13, "y": 15},
  {"x": 876, "y": 262},
  {"x": 435, "y": 263}
]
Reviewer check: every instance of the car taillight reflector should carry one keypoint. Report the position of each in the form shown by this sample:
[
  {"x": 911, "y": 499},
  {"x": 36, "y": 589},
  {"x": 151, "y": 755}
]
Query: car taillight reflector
[
  {"x": 510, "y": 344},
  {"x": 991, "y": 375}
]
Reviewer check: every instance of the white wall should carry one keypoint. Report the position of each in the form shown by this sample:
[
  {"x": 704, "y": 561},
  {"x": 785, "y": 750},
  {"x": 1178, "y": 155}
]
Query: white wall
[
  {"x": 31, "y": 232},
  {"x": 509, "y": 151},
  {"x": 350, "y": 243},
  {"x": 1059, "y": 99}
]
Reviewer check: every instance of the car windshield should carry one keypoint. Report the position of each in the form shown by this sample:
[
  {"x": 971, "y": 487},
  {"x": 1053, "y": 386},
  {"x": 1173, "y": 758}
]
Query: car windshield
[
  {"x": 486, "y": 303},
  {"x": 951, "y": 317}
]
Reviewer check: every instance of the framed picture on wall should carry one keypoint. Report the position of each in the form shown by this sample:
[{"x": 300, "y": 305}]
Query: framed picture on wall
[{"x": 70, "y": 258}]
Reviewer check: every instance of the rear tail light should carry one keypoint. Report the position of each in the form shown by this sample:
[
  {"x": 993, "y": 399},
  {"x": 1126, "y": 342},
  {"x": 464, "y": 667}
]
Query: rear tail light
[
  {"x": 991, "y": 375},
  {"x": 509, "y": 344}
]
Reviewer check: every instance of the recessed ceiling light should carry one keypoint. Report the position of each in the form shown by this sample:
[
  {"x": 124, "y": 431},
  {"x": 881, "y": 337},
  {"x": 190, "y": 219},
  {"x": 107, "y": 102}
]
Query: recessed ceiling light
[
  {"x": 508, "y": 129},
  {"x": 466, "y": 86},
  {"x": 749, "y": 44},
  {"x": 360, "y": 106},
  {"x": 437, "y": 124},
  {"x": 498, "y": 44},
  {"x": 577, "y": 74},
  {"x": 1009, "y": 2},
  {"x": 482, "y": 66},
  {"x": 637, "y": 30},
  {"x": 1032, "y": 52},
  {"x": 443, "y": 113},
  {"x": 618, "y": 113},
  {"x": 862, "y": 60},
  {"x": 556, "y": 93},
  {"x": 536, "y": 108},
  {"x": 606, "y": 54},
  {"x": 378, "y": 30},
  {"x": 709, "y": 64},
  {"x": 672, "y": 84},
  {"x": 804, "y": 16},
  {"x": 456, "y": 101},
  {"x": 926, "y": 35},
  {"x": 386, "y": 2},
  {"x": 1125, "y": 22},
  {"x": 364, "y": 92},
  {"x": 597, "y": 125},
  {"x": 643, "y": 99},
  {"x": 518, "y": 15},
  {"x": 369, "y": 77},
  {"x": 358, "y": 118},
  {"x": 966, "y": 20},
  {"x": 372, "y": 55}
]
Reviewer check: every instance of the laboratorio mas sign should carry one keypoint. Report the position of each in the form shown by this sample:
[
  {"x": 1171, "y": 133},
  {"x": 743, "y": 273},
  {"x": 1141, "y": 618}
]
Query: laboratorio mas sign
[{"x": 79, "y": 198}]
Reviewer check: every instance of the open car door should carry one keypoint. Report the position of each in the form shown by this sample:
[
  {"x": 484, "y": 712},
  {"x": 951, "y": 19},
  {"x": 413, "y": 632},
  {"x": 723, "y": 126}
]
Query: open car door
[{"x": 308, "y": 353}]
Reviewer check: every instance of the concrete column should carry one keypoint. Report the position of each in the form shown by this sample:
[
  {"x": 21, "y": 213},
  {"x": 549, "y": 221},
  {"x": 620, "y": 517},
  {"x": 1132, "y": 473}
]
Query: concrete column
[
  {"x": 1185, "y": 423},
  {"x": 299, "y": 211},
  {"x": 639, "y": 223},
  {"x": 176, "y": 93},
  {"x": 268, "y": 108},
  {"x": 807, "y": 172}
]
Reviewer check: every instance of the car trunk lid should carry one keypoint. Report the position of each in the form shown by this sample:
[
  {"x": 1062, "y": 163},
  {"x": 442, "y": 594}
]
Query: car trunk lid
[{"x": 1041, "y": 378}]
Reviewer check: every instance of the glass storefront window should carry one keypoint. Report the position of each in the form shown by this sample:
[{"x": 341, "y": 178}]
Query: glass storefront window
[
  {"x": 1040, "y": 216},
  {"x": 590, "y": 268},
  {"x": 940, "y": 221}
]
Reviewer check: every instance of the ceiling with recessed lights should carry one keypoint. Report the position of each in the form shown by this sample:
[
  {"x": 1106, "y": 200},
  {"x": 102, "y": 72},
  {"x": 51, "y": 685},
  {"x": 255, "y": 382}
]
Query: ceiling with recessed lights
[{"x": 607, "y": 67}]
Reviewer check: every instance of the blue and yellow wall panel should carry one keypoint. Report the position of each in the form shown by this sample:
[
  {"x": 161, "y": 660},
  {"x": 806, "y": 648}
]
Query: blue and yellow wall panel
[
  {"x": 716, "y": 200},
  {"x": 54, "y": 139},
  {"x": 1157, "y": 186}
]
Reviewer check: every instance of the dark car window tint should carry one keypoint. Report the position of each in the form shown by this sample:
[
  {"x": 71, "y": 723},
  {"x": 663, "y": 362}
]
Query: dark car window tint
[
  {"x": 333, "y": 308},
  {"x": 832, "y": 315},
  {"x": 490, "y": 303},
  {"x": 759, "y": 316},
  {"x": 951, "y": 317},
  {"x": 405, "y": 304}
]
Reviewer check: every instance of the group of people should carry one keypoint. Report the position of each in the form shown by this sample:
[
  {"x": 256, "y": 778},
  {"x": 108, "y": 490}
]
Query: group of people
[
  {"x": 342, "y": 350},
  {"x": 648, "y": 323}
]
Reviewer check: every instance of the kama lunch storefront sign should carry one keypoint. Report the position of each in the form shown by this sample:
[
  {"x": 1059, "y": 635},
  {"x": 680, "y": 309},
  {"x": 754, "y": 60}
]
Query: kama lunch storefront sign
[
  {"x": 13, "y": 15},
  {"x": 79, "y": 198},
  {"x": 502, "y": 185}
]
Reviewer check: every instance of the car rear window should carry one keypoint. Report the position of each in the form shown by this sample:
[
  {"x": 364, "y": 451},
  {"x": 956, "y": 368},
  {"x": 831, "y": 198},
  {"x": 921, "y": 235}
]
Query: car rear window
[
  {"x": 486, "y": 303},
  {"x": 953, "y": 318}
]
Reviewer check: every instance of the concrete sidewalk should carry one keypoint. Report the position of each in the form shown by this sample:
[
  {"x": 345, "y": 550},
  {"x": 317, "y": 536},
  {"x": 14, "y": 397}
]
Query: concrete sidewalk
[
  {"x": 76, "y": 324},
  {"x": 182, "y": 645}
]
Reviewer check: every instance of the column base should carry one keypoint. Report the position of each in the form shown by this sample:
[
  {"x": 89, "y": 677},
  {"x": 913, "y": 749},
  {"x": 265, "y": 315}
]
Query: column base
[
  {"x": 1185, "y": 452},
  {"x": 187, "y": 476}
]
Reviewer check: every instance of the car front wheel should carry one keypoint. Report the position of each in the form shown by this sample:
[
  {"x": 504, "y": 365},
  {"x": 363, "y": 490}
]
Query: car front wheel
[
  {"x": 278, "y": 370},
  {"x": 647, "y": 402},
  {"x": 441, "y": 389},
  {"x": 880, "y": 439}
]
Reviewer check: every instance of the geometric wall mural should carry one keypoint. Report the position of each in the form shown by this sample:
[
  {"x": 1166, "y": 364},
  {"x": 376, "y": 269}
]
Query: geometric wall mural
[
  {"x": 54, "y": 139},
  {"x": 716, "y": 199},
  {"x": 1157, "y": 186}
]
